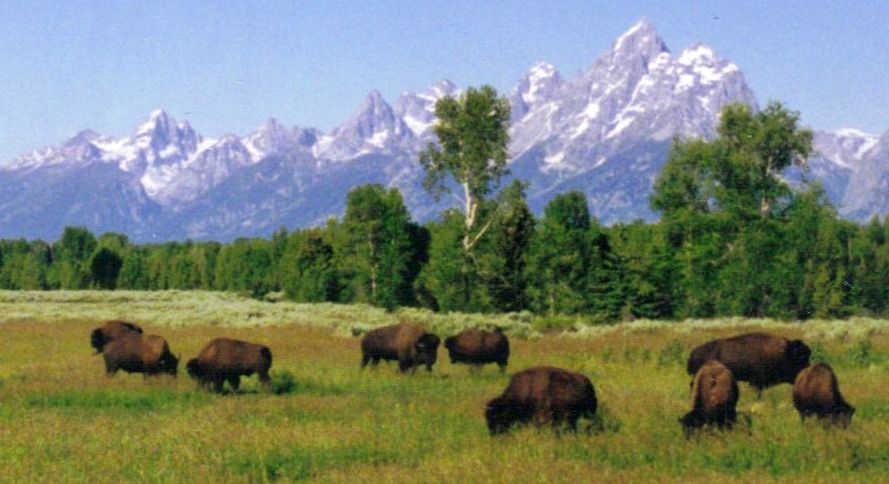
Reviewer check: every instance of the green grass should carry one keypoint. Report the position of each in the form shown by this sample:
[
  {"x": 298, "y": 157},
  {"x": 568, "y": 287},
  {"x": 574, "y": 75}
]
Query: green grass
[{"x": 327, "y": 420}]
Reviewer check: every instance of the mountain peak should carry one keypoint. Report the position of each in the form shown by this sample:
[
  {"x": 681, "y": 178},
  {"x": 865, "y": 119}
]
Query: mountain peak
[
  {"x": 442, "y": 88},
  {"x": 698, "y": 53},
  {"x": 641, "y": 38},
  {"x": 158, "y": 121}
]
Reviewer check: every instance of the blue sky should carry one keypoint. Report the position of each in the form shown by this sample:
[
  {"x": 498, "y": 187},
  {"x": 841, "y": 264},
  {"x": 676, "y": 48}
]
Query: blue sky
[{"x": 229, "y": 66}]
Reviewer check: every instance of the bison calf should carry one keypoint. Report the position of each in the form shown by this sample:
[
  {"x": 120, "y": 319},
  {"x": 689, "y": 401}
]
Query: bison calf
[
  {"x": 760, "y": 359},
  {"x": 226, "y": 359},
  {"x": 135, "y": 353},
  {"x": 110, "y": 331},
  {"x": 409, "y": 344},
  {"x": 714, "y": 396},
  {"x": 542, "y": 395},
  {"x": 478, "y": 347},
  {"x": 816, "y": 392}
]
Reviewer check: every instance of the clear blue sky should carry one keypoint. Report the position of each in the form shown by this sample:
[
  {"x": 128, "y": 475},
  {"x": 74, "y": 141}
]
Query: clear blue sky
[{"x": 228, "y": 66}]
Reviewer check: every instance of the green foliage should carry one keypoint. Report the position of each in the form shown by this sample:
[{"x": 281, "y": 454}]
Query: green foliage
[
  {"x": 104, "y": 268},
  {"x": 733, "y": 240},
  {"x": 310, "y": 272},
  {"x": 472, "y": 152},
  {"x": 379, "y": 255}
]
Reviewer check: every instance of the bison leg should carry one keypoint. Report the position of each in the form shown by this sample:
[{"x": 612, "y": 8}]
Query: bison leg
[
  {"x": 217, "y": 385},
  {"x": 235, "y": 382},
  {"x": 375, "y": 361},
  {"x": 365, "y": 358},
  {"x": 404, "y": 365},
  {"x": 502, "y": 365},
  {"x": 265, "y": 381}
]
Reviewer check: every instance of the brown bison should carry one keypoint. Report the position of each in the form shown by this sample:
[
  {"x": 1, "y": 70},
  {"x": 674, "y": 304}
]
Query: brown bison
[
  {"x": 714, "y": 396},
  {"x": 760, "y": 359},
  {"x": 111, "y": 330},
  {"x": 816, "y": 392},
  {"x": 409, "y": 344},
  {"x": 477, "y": 347},
  {"x": 542, "y": 395},
  {"x": 226, "y": 359},
  {"x": 137, "y": 353}
]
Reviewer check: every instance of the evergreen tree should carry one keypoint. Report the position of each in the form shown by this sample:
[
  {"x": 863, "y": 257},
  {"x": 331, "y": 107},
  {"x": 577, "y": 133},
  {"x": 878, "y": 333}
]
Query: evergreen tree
[
  {"x": 104, "y": 268},
  {"x": 504, "y": 262},
  {"x": 378, "y": 246},
  {"x": 560, "y": 258},
  {"x": 73, "y": 252}
]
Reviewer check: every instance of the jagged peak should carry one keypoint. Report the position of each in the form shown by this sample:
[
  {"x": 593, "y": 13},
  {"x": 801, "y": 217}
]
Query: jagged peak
[
  {"x": 86, "y": 135},
  {"x": 158, "y": 120},
  {"x": 542, "y": 70},
  {"x": 442, "y": 88},
  {"x": 641, "y": 37},
  {"x": 853, "y": 133},
  {"x": 698, "y": 53}
]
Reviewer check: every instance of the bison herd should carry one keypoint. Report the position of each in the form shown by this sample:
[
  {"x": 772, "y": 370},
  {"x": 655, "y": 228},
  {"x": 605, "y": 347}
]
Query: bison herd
[{"x": 540, "y": 396}]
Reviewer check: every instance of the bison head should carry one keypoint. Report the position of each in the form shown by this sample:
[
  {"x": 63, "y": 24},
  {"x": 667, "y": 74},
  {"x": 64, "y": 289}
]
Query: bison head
[
  {"x": 169, "y": 364},
  {"x": 193, "y": 367},
  {"x": 427, "y": 349},
  {"x": 691, "y": 421},
  {"x": 97, "y": 340},
  {"x": 498, "y": 416},
  {"x": 797, "y": 356}
]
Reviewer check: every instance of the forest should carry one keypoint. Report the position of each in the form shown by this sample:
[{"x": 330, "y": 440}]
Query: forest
[{"x": 733, "y": 239}]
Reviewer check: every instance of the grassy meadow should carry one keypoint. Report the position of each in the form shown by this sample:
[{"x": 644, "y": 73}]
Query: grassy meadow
[{"x": 62, "y": 420}]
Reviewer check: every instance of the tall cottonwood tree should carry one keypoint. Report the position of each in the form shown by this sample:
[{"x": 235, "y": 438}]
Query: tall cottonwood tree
[{"x": 472, "y": 132}]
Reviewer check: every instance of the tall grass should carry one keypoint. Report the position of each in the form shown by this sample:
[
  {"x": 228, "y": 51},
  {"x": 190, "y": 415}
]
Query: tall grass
[{"x": 62, "y": 420}]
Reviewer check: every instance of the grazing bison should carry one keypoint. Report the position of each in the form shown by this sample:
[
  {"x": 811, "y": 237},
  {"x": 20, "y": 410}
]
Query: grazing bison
[
  {"x": 226, "y": 359},
  {"x": 410, "y": 344},
  {"x": 760, "y": 359},
  {"x": 477, "y": 347},
  {"x": 542, "y": 395},
  {"x": 111, "y": 330},
  {"x": 714, "y": 396},
  {"x": 816, "y": 392},
  {"x": 137, "y": 353}
]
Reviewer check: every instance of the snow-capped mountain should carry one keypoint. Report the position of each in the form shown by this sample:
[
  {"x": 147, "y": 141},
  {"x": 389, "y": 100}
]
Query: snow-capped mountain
[{"x": 604, "y": 132}]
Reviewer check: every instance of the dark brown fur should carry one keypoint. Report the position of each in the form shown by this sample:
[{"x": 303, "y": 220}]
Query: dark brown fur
[
  {"x": 542, "y": 395},
  {"x": 817, "y": 392},
  {"x": 107, "y": 333},
  {"x": 477, "y": 347},
  {"x": 225, "y": 359},
  {"x": 137, "y": 353},
  {"x": 714, "y": 397},
  {"x": 409, "y": 344},
  {"x": 760, "y": 359}
]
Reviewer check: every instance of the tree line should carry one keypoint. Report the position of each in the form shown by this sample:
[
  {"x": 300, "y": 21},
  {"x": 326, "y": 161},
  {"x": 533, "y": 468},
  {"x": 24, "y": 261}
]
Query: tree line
[{"x": 734, "y": 239}]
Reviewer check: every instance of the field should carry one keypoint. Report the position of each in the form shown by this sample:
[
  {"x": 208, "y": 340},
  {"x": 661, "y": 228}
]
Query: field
[{"x": 62, "y": 420}]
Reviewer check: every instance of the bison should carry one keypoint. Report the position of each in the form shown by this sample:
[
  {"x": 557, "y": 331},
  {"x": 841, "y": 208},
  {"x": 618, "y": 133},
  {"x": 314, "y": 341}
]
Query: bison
[
  {"x": 409, "y": 344},
  {"x": 137, "y": 353},
  {"x": 477, "y": 347},
  {"x": 111, "y": 330},
  {"x": 542, "y": 395},
  {"x": 816, "y": 392},
  {"x": 760, "y": 359},
  {"x": 225, "y": 359},
  {"x": 714, "y": 396}
]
